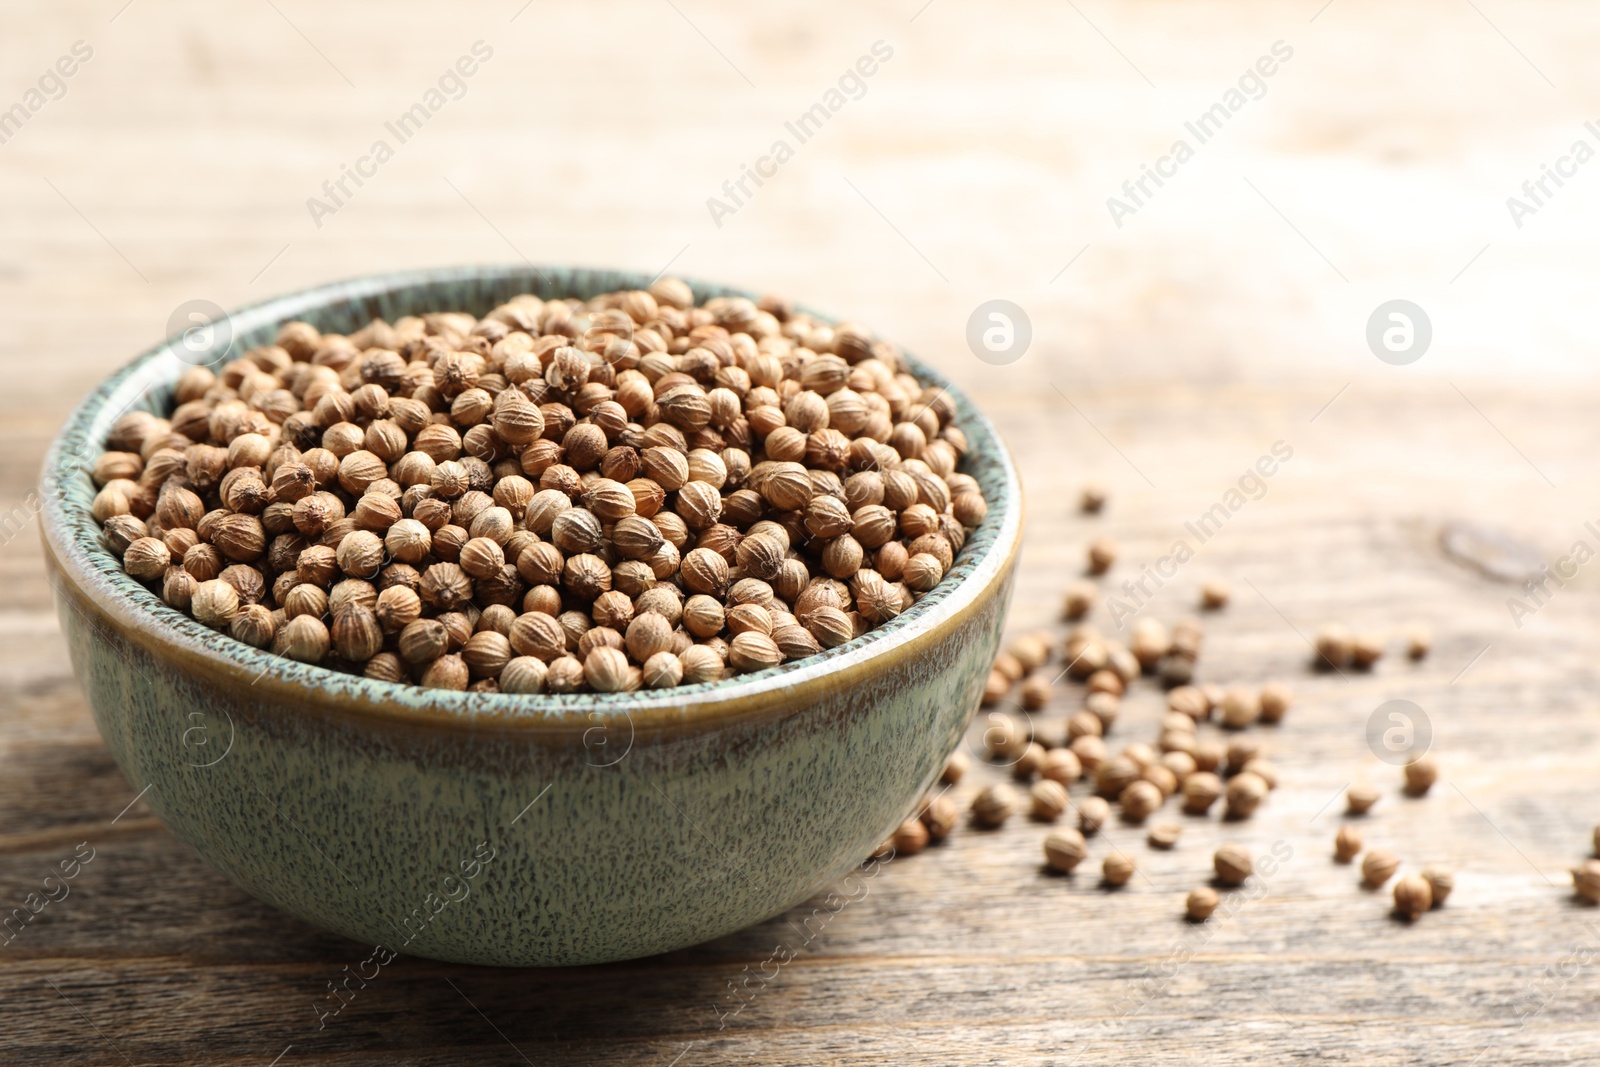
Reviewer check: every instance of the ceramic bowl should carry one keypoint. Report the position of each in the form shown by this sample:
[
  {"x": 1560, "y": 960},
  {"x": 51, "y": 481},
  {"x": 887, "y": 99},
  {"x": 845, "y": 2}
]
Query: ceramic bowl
[{"x": 500, "y": 829}]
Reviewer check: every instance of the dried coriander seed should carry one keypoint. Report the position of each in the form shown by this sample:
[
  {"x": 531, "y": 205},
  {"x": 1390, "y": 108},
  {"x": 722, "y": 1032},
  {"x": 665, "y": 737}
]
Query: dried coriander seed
[
  {"x": 1359, "y": 798},
  {"x": 1092, "y": 815},
  {"x": 1201, "y": 902},
  {"x": 1419, "y": 642},
  {"x": 1214, "y": 594},
  {"x": 1138, "y": 801},
  {"x": 1200, "y": 790},
  {"x": 1378, "y": 867},
  {"x": 955, "y": 767},
  {"x": 910, "y": 837},
  {"x": 1275, "y": 700},
  {"x": 1079, "y": 600},
  {"x": 1117, "y": 869},
  {"x": 993, "y": 806},
  {"x": 940, "y": 817},
  {"x": 1346, "y": 844},
  {"x": 1061, "y": 765},
  {"x": 1049, "y": 800},
  {"x": 1240, "y": 708},
  {"x": 1092, "y": 498},
  {"x": 1441, "y": 881},
  {"x": 1412, "y": 896},
  {"x": 1586, "y": 880},
  {"x": 1102, "y": 555},
  {"x": 1366, "y": 650},
  {"x": 1420, "y": 774},
  {"x": 1232, "y": 864},
  {"x": 1335, "y": 647},
  {"x": 1164, "y": 835},
  {"x": 1064, "y": 850},
  {"x": 1028, "y": 763}
]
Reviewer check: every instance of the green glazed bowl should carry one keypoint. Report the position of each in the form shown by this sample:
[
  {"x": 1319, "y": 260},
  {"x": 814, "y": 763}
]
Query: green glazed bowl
[{"x": 500, "y": 829}]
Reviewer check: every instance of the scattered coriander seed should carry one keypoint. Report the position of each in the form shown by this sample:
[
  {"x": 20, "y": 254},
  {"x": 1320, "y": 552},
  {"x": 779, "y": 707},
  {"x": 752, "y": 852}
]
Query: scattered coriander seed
[
  {"x": 1115, "y": 774},
  {"x": 1378, "y": 867},
  {"x": 1200, "y": 790},
  {"x": 1241, "y": 750},
  {"x": 1028, "y": 763},
  {"x": 1232, "y": 864},
  {"x": 993, "y": 806},
  {"x": 1092, "y": 498},
  {"x": 955, "y": 767},
  {"x": 1214, "y": 594},
  {"x": 1189, "y": 701},
  {"x": 1346, "y": 844},
  {"x": 1138, "y": 800},
  {"x": 1010, "y": 666},
  {"x": 1049, "y": 800},
  {"x": 1441, "y": 881},
  {"x": 1200, "y": 903},
  {"x": 1005, "y": 738},
  {"x": 1243, "y": 796},
  {"x": 1366, "y": 650},
  {"x": 1586, "y": 880},
  {"x": 1164, "y": 835},
  {"x": 1359, "y": 798},
  {"x": 1160, "y": 776},
  {"x": 1117, "y": 869},
  {"x": 1061, "y": 765},
  {"x": 1031, "y": 650},
  {"x": 1412, "y": 896},
  {"x": 1420, "y": 774},
  {"x": 1084, "y": 724},
  {"x": 1103, "y": 706},
  {"x": 1090, "y": 750},
  {"x": 1262, "y": 770},
  {"x": 910, "y": 837},
  {"x": 1335, "y": 646},
  {"x": 1036, "y": 692},
  {"x": 1079, "y": 600},
  {"x": 940, "y": 817},
  {"x": 1209, "y": 754},
  {"x": 1092, "y": 815},
  {"x": 1419, "y": 642},
  {"x": 1240, "y": 708},
  {"x": 1064, "y": 849},
  {"x": 1275, "y": 700},
  {"x": 995, "y": 688},
  {"x": 1102, "y": 555}
]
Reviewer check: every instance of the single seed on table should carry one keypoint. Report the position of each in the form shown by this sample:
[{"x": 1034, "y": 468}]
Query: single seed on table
[
  {"x": 1421, "y": 773},
  {"x": 1335, "y": 646},
  {"x": 1036, "y": 692},
  {"x": 1164, "y": 835},
  {"x": 940, "y": 817},
  {"x": 1064, "y": 850},
  {"x": 1176, "y": 669},
  {"x": 1031, "y": 650},
  {"x": 1148, "y": 642},
  {"x": 1114, "y": 775},
  {"x": 955, "y": 767},
  {"x": 1232, "y": 864},
  {"x": 1346, "y": 844},
  {"x": 1359, "y": 798},
  {"x": 1092, "y": 815},
  {"x": 993, "y": 806},
  {"x": 1083, "y": 724},
  {"x": 1214, "y": 594},
  {"x": 1412, "y": 896},
  {"x": 1419, "y": 642},
  {"x": 1138, "y": 800},
  {"x": 1243, "y": 796},
  {"x": 1586, "y": 880},
  {"x": 1117, "y": 869},
  {"x": 1159, "y": 776},
  {"x": 1049, "y": 800},
  {"x": 1242, "y": 750},
  {"x": 1010, "y": 666},
  {"x": 1140, "y": 753},
  {"x": 1061, "y": 765},
  {"x": 996, "y": 688},
  {"x": 1090, "y": 750},
  {"x": 1181, "y": 764},
  {"x": 1102, "y": 555},
  {"x": 911, "y": 837},
  {"x": 1240, "y": 708},
  {"x": 1200, "y": 790},
  {"x": 1005, "y": 738},
  {"x": 1275, "y": 700},
  {"x": 1079, "y": 599},
  {"x": 1029, "y": 762},
  {"x": 1379, "y": 866},
  {"x": 1104, "y": 706},
  {"x": 1190, "y": 702},
  {"x": 1092, "y": 498},
  {"x": 1366, "y": 651},
  {"x": 1201, "y": 902},
  {"x": 1209, "y": 754},
  {"x": 1441, "y": 881},
  {"x": 1262, "y": 770}
]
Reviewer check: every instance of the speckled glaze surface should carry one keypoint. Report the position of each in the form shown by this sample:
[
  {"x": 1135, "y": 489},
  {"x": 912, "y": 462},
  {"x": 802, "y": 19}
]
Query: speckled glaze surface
[{"x": 514, "y": 830}]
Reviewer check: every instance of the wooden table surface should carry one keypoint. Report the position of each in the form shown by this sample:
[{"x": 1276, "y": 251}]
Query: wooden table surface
[{"x": 1227, "y": 313}]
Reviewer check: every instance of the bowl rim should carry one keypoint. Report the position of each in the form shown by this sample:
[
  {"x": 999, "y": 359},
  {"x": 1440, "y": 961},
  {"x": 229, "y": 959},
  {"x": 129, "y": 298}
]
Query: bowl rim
[{"x": 88, "y": 578}]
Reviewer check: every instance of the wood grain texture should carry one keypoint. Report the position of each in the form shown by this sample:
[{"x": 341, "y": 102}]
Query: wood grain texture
[{"x": 1172, "y": 352}]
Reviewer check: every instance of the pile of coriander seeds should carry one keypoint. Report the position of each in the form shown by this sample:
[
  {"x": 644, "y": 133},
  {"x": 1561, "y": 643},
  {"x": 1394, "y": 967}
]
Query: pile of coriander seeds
[{"x": 562, "y": 496}]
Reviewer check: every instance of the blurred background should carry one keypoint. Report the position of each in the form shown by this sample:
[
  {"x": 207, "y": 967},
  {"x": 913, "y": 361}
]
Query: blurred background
[{"x": 1394, "y": 152}]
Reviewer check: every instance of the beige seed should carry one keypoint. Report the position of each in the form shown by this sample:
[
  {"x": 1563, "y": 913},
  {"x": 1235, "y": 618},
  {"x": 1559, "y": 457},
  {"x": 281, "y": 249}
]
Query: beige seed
[
  {"x": 1275, "y": 700},
  {"x": 955, "y": 767},
  {"x": 1049, "y": 800},
  {"x": 1359, "y": 798},
  {"x": 1214, "y": 594},
  {"x": 1412, "y": 896},
  {"x": 1586, "y": 880},
  {"x": 1232, "y": 864},
  {"x": 1117, "y": 869},
  {"x": 1138, "y": 800},
  {"x": 1200, "y": 791},
  {"x": 1420, "y": 774},
  {"x": 940, "y": 816},
  {"x": 1092, "y": 815},
  {"x": 1102, "y": 555},
  {"x": 1243, "y": 796},
  {"x": 1346, "y": 844},
  {"x": 1441, "y": 881},
  {"x": 1378, "y": 867},
  {"x": 1064, "y": 849},
  {"x": 1164, "y": 835},
  {"x": 993, "y": 806},
  {"x": 1201, "y": 902}
]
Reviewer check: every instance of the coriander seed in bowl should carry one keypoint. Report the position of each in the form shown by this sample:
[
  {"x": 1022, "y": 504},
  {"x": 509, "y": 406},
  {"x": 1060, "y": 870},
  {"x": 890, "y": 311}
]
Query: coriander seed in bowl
[{"x": 617, "y": 613}]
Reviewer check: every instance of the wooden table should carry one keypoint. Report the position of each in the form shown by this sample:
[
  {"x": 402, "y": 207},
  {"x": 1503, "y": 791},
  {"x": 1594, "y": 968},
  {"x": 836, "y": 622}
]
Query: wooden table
[{"x": 1227, "y": 314}]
